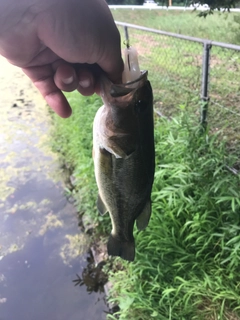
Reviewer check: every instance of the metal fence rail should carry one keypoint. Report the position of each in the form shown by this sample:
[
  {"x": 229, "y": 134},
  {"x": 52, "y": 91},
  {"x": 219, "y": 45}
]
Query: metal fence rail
[
  {"x": 159, "y": 7},
  {"x": 183, "y": 68}
]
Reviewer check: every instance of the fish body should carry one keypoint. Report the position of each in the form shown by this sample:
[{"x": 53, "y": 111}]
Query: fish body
[{"x": 124, "y": 160}]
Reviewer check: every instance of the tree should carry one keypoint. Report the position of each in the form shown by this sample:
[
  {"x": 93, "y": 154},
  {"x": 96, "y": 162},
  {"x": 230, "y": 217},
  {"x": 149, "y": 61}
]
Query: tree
[
  {"x": 218, "y": 4},
  {"x": 213, "y": 5}
]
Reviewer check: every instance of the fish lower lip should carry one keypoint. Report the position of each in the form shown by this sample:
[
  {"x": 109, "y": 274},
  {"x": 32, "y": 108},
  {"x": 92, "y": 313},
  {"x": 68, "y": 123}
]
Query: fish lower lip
[
  {"x": 125, "y": 88},
  {"x": 117, "y": 91}
]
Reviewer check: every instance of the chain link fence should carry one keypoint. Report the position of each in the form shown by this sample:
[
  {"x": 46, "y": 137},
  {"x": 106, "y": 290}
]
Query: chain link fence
[{"x": 192, "y": 71}]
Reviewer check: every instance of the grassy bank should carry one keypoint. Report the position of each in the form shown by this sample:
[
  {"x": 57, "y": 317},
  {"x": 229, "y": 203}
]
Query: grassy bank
[
  {"x": 222, "y": 27},
  {"x": 175, "y": 65},
  {"x": 72, "y": 139},
  {"x": 187, "y": 260}
]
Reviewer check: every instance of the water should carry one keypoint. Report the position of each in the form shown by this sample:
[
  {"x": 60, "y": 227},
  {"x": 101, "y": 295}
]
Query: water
[{"x": 42, "y": 249}]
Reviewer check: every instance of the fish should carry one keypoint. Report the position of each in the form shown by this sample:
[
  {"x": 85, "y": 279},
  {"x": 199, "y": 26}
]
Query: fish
[{"x": 124, "y": 160}]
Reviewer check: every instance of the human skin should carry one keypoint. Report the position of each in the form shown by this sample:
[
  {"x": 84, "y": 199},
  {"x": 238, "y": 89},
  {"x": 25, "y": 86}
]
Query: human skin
[{"x": 61, "y": 45}]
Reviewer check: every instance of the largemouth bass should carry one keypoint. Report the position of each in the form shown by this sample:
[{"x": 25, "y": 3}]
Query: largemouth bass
[{"x": 124, "y": 160}]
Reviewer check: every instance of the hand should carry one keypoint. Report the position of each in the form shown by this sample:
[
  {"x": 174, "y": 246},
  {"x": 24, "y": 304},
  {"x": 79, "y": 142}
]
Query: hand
[{"x": 61, "y": 45}]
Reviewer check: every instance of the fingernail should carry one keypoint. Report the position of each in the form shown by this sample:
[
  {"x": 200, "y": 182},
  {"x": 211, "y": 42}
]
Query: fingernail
[
  {"x": 85, "y": 83},
  {"x": 68, "y": 80}
]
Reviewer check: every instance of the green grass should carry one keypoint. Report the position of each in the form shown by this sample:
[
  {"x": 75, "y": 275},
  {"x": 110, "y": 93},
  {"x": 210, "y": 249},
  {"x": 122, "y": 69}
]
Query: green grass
[
  {"x": 187, "y": 260},
  {"x": 175, "y": 65},
  {"x": 223, "y": 27},
  {"x": 72, "y": 139}
]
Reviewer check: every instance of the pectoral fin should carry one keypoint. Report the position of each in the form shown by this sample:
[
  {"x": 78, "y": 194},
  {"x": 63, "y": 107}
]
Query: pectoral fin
[
  {"x": 143, "y": 218},
  {"x": 116, "y": 151},
  {"x": 101, "y": 206}
]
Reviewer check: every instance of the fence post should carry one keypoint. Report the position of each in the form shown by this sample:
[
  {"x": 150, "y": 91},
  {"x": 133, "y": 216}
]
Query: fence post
[
  {"x": 205, "y": 80},
  {"x": 126, "y": 36}
]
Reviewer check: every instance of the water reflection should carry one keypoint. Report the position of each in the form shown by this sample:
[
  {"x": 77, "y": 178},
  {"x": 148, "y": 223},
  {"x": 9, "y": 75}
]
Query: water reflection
[
  {"x": 36, "y": 284},
  {"x": 41, "y": 245},
  {"x": 92, "y": 277}
]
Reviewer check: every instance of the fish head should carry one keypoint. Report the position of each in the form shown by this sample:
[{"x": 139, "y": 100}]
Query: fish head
[
  {"x": 132, "y": 94},
  {"x": 126, "y": 108}
]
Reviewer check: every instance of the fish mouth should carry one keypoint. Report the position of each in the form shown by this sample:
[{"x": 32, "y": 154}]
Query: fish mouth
[{"x": 120, "y": 90}]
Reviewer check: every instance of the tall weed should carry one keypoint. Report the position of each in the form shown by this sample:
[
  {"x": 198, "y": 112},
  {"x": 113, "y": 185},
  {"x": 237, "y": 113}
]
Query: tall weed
[
  {"x": 214, "y": 27},
  {"x": 187, "y": 262},
  {"x": 72, "y": 139}
]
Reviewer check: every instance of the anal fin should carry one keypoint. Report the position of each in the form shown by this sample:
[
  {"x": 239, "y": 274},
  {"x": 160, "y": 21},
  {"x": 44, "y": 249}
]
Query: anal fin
[
  {"x": 144, "y": 217},
  {"x": 101, "y": 206}
]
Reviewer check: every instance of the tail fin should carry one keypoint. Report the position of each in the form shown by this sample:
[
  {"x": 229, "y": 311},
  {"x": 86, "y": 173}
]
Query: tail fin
[{"x": 125, "y": 250}]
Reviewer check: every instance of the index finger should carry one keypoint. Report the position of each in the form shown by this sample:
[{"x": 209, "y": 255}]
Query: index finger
[{"x": 43, "y": 79}]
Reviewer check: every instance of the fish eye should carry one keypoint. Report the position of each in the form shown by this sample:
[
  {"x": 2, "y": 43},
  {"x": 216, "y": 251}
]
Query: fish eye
[
  {"x": 143, "y": 98},
  {"x": 140, "y": 105}
]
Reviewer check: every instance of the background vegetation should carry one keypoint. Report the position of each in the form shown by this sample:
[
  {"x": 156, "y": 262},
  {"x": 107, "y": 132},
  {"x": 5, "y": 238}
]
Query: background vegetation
[
  {"x": 212, "y": 4},
  {"x": 175, "y": 65},
  {"x": 127, "y": 2},
  {"x": 187, "y": 260},
  {"x": 224, "y": 27}
]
